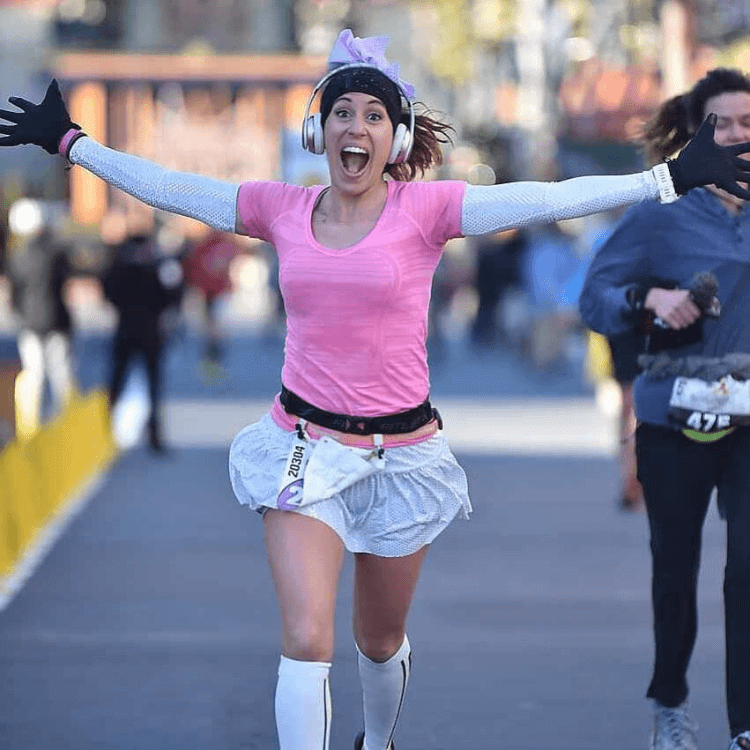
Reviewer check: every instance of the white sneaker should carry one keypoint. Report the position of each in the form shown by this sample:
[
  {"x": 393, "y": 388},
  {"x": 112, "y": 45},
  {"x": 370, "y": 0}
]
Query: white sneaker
[
  {"x": 674, "y": 729},
  {"x": 359, "y": 742},
  {"x": 740, "y": 742}
]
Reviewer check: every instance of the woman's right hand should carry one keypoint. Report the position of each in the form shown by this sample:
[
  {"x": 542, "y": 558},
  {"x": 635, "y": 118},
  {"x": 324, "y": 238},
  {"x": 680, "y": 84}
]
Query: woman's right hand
[
  {"x": 42, "y": 124},
  {"x": 673, "y": 306}
]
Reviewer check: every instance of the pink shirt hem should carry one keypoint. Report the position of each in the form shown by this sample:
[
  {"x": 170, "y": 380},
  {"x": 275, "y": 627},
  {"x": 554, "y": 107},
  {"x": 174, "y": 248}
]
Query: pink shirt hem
[{"x": 287, "y": 423}]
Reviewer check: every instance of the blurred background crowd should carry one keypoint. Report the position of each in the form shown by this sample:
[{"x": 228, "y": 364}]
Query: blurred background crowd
[{"x": 536, "y": 89}]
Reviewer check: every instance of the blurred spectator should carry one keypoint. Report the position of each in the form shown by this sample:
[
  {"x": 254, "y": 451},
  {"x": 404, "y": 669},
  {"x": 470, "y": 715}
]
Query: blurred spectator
[
  {"x": 145, "y": 286},
  {"x": 207, "y": 269},
  {"x": 498, "y": 270},
  {"x": 38, "y": 270},
  {"x": 452, "y": 297},
  {"x": 622, "y": 367},
  {"x": 444, "y": 284},
  {"x": 552, "y": 272},
  {"x": 3, "y": 240},
  {"x": 278, "y": 312},
  {"x": 625, "y": 349}
]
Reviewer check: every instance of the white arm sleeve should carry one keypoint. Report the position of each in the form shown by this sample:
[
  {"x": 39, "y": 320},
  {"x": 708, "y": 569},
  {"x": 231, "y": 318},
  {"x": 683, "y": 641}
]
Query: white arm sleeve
[
  {"x": 208, "y": 200},
  {"x": 492, "y": 208}
]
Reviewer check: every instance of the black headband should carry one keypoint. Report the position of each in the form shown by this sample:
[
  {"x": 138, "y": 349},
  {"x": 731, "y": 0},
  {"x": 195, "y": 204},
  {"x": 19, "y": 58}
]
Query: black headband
[{"x": 363, "y": 81}]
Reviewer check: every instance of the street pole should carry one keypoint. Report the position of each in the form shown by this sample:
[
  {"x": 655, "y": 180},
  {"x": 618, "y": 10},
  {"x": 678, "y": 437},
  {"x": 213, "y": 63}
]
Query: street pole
[
  {"x": 675, "y": 56},
  {"x": 538, "y": 145}
]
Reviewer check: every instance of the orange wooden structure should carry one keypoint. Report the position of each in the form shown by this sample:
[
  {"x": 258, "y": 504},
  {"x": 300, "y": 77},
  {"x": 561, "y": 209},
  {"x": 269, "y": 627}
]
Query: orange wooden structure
[{"x": 219, "y": 115}]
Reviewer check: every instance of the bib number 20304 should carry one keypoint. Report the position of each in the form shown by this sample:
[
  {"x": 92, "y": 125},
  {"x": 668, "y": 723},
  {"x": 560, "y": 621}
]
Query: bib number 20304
[{"x": 291, "y": 488}]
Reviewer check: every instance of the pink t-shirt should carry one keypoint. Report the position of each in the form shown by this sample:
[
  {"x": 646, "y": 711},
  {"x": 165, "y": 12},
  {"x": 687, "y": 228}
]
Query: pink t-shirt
[{"x": 356, "y": 317}]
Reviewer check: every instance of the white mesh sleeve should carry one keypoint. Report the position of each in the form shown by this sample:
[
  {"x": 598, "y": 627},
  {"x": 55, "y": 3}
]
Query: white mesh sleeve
[
  {"x": 208, "y": 200},
  {"x": 492, "y": 208}
]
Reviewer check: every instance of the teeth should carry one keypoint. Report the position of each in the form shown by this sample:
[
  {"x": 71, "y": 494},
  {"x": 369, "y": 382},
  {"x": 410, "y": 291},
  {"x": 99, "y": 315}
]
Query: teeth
[{"x": 354, "y": 159}]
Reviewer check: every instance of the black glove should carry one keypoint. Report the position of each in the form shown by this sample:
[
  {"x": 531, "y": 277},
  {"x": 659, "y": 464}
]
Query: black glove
[
  {"x": 40, "y": 124},
  {"x": 703, "y": 162}
]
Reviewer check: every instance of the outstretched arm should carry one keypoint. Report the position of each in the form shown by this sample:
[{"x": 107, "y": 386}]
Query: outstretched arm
[
  {"x": 49, "y": 126},
  {"x": 211, "y": 201},
  {"x": 492, "y": 208}
]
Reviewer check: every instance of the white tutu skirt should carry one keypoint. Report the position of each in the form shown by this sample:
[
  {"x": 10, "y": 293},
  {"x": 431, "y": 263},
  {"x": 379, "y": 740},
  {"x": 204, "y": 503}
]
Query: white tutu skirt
[{"x": 391, "y": 513}]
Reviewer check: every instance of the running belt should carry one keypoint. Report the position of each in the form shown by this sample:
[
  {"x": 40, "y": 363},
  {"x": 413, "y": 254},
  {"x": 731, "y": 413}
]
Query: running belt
[{"x": 391, "y": 424}]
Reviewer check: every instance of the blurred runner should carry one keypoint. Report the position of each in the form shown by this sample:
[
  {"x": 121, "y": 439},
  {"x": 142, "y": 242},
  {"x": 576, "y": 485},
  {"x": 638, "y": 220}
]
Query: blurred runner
[
  {"x": 498, "y": 269},
  {"x": 38, "y": 270},
  {"x": 145, "y": 287},
  {"x": 207, "y": 269},
  {"x": 682, "y": 271}
]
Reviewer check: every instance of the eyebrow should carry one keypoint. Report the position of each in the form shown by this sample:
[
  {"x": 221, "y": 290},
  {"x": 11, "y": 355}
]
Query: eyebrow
[{"x": 374, "y": 100}]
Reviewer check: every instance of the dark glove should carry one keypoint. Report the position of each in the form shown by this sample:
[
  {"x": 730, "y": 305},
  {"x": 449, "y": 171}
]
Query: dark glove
[
  {"x": 703, "y": 162},
  {"x": 40, "y": 124}
]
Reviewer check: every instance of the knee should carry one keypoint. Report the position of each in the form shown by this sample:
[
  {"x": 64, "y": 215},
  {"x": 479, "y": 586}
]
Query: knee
[
  {"x": 308, "y": 640},
  {"x": 675, "y": 582},
  {"x": 382, "y": 646},
  {"x": 677, "y": 565}
]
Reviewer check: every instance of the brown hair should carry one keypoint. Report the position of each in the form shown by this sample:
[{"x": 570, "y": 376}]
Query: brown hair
[
  {"x": 429, "y": 133},
  {"x": 676, "y": 121}
]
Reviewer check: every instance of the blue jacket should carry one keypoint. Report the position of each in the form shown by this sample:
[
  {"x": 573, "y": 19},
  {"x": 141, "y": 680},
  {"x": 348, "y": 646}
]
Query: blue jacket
[{"x": 666, "y": 245}]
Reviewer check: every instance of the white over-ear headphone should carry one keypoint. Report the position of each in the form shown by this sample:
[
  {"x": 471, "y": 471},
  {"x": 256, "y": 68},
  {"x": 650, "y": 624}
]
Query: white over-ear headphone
[{"x": 312, "y": 129}]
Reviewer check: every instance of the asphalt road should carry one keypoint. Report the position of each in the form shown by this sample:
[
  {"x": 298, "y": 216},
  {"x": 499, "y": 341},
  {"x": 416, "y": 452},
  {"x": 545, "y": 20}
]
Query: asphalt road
[{"x": 152, "y": 624}]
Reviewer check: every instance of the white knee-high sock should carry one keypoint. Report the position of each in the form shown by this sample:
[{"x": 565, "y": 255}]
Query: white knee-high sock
[
  {"x": 303, "y": 705},
  {"x": 383, "y": 690}
]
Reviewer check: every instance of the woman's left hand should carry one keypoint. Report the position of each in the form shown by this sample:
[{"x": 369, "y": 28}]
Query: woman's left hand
[{"x": 704, "y": 162}]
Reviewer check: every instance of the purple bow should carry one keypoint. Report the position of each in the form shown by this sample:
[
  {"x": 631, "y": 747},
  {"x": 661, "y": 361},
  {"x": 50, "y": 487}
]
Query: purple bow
[{"x": 351, "y": 49}]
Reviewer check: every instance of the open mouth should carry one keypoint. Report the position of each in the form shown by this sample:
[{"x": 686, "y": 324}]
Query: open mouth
[{"x": 354, "y": 159}]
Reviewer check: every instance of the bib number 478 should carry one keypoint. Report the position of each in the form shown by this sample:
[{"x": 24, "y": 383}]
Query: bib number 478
[{"x": 703, "y": 421}]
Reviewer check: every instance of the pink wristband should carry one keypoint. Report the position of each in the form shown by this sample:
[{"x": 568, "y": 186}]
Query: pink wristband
[{"x": 67, "y": 141}]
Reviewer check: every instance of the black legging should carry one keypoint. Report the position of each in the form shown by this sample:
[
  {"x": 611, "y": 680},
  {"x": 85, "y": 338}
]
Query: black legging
[
  {"x": 126, "y": 346},
  {"x": 678, "y": 475}
]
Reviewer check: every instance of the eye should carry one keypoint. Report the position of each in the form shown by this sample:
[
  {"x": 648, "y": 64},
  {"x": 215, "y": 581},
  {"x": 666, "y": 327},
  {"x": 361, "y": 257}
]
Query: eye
[
  {"x": 342, "y": 113},
  {"x": 375, "y": 116}
]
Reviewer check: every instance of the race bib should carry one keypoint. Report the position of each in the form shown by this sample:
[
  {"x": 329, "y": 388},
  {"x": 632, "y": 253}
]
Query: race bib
[
  {"x": 318, "y": 469},
  {"x": 709, "y": 407},
  {"x": 291, "y": 487}
]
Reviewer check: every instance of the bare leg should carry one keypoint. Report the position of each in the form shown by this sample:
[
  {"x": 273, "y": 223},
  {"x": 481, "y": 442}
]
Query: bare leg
[
  {"x": 383, "y": 591},
  {"x": 384, "y": 587},
  {"x": 632, "y": 493},
  {"x": 305, "y": 557}
]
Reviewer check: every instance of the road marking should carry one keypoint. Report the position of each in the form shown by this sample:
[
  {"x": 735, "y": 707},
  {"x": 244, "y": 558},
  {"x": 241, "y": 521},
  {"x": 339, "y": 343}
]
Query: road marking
[{"x": 551, "y": 427}]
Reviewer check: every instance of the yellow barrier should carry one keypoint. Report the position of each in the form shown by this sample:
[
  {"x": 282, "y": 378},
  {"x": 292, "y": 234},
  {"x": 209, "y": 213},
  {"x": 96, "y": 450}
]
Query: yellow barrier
[
  {"x": 38, "y": 475},
  {"x": 598, "y": 365}
]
